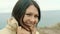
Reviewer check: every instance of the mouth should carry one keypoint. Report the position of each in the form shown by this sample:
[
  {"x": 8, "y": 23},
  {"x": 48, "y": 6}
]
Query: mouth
[{"x": 30, "y": 24}]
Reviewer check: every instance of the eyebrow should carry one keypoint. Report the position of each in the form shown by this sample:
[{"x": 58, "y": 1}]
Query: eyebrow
[{"x": 31, "y": 13}]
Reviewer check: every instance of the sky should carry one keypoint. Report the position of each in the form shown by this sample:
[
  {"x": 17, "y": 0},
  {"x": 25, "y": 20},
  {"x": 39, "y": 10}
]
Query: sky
[{"x": 6, "y": 6}]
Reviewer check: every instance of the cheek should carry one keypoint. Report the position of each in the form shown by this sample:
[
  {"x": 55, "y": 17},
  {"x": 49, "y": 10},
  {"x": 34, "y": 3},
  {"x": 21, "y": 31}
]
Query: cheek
[
  {"x": 28, "y": 19},
  {"x": 36, "y": 20},
  {"x": 25, "y": 18}
]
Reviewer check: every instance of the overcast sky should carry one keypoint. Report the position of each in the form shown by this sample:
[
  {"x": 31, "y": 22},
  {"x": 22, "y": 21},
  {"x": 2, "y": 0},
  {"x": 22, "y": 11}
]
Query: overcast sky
[{"x": 6, "y": 6}]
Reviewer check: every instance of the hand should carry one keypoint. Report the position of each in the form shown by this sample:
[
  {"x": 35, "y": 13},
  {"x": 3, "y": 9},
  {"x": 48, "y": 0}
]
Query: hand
[{"x": 33, "y": 30}]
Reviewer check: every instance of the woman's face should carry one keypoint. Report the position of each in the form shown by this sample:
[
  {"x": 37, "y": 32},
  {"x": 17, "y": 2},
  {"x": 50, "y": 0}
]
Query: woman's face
[{"x": 31, "y": 16}]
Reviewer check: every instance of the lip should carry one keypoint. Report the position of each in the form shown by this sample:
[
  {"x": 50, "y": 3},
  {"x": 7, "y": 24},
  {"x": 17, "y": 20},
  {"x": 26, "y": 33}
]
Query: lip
[{"x": 30, "y": 24}]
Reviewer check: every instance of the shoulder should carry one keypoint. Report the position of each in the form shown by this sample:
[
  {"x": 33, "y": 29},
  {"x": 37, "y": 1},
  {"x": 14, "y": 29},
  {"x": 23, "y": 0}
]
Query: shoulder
[
  {"x": 11, "y": 25},
  {"x": 7, "y": 31},
  {"x": 4, "y": 31}
]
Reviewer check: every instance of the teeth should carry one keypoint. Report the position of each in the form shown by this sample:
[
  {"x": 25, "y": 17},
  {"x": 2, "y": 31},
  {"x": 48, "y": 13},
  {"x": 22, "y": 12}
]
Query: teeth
[{"x": 30, "y": 24}]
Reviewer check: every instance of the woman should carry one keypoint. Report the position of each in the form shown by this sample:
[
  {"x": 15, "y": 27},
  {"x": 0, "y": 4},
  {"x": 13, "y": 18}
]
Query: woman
[{"x": 25, "y": 17}]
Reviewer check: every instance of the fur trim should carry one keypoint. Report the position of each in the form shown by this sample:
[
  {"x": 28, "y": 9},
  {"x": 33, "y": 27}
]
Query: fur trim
[{"x": 12, "y": 23}]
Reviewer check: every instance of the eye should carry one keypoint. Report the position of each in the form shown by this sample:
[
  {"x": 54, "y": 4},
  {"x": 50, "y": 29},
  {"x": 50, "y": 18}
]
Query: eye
[
  {"x": 28, "y": 14},
  {"x": 36, "y": 16}
]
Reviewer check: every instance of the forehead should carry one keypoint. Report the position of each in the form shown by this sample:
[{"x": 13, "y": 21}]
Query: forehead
[{"x": 32, "y": 9}]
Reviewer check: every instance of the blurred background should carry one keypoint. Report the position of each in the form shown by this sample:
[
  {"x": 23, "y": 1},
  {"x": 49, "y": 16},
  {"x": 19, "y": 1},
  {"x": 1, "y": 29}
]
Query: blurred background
[{"x": 50, "y": 12}]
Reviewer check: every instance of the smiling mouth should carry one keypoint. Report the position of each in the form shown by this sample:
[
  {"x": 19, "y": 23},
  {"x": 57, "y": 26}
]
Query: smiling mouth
[{"x": 30, "y": 24}]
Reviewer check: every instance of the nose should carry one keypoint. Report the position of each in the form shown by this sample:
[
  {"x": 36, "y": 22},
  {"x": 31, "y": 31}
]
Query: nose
[{"x": 32, "y": 20}]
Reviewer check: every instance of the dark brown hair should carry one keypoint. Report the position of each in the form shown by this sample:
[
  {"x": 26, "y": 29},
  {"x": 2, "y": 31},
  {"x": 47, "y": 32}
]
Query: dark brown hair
[{"x": 20, "y": 9}]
